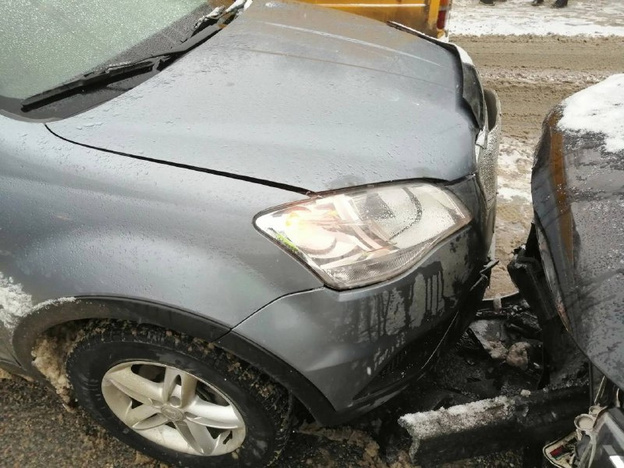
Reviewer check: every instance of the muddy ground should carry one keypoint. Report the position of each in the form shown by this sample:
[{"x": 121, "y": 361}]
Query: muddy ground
[{"x": 531, "y": 75}]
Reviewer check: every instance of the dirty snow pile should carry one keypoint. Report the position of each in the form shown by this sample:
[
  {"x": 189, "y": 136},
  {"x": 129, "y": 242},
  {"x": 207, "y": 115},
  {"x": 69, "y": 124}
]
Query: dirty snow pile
[
  {"x": 456, "y": 419},
  {"x": 598, "y": 18},
  {"x": 514, "y": 169},
  {"x": 598, "y": 109}
]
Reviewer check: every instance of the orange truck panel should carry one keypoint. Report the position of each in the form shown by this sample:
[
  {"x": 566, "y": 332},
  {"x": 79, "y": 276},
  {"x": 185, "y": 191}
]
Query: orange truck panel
[{"x": 428, "y": 16}]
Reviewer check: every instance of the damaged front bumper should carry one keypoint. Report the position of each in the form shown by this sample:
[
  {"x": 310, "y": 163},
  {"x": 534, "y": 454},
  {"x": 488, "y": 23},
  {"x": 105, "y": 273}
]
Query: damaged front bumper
[
  {"x": 530, "y": 271},
  {"x": 360, "y": 348},
  {"x": 598, "y": 438}
]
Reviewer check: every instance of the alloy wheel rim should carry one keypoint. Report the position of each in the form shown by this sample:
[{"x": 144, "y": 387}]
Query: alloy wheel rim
[{"x": 173, "y": 408}]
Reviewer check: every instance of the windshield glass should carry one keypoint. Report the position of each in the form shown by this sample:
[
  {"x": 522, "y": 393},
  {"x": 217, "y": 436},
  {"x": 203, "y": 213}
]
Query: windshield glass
[{"x": 47, "y": 42}]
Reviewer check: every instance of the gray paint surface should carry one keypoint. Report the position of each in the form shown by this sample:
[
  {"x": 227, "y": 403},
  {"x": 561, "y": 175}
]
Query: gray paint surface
[
  {"x": 287, "y": 93},
  {"x": 79, "y": 222},
  {"x": 301, "y": 95},
  {"x": 343, "y": 340}
]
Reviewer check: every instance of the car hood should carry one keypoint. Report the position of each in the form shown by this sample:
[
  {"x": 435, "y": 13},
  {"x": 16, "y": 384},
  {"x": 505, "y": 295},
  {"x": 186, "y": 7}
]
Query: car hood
[{"x": 298, "y": 95}]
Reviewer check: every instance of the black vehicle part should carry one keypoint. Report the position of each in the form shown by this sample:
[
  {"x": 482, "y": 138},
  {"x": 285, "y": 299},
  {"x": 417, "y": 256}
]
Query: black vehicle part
[
  {"x": 88, "y": 308},
  {"x": 264, "y": 406},
  {"x": 563, "y": 358},
  {"x": 493, "y": 425}
]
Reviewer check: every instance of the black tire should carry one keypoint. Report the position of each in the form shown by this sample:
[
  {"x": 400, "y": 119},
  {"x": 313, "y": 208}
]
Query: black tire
[{"x": 265, "y": 406}]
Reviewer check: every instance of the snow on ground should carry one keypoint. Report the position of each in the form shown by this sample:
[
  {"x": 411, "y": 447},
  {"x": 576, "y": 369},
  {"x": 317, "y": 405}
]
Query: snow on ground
[
  {"x": 514, "y": 210},
  {"x": 599, "y": 109},
  {"x": 519, "y": 17},
  {"x": 514, "y": 170}
]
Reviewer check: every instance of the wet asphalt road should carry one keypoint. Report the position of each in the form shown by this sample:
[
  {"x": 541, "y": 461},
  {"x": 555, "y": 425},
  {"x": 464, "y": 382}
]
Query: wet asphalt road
[{"x": 37, "y": 431}]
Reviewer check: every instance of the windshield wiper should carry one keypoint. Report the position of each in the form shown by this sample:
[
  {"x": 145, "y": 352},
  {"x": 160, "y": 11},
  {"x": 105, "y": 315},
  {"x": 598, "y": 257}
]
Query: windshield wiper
[
  {"x": 99, "y": 77},
  {"x": 205, "y": 28}
]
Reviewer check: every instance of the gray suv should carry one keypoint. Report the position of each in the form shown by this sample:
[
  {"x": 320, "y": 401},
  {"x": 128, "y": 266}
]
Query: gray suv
[{"x": 211, "y": 213}]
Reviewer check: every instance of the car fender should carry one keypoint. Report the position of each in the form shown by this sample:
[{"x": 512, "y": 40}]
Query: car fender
[
  {"x": 79, "y": 222},
  {"x": 66, "y": 310}
]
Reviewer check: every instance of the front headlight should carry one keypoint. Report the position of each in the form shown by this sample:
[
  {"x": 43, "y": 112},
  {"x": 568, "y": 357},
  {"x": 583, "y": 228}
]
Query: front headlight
[{"x": 366, "y": 235}]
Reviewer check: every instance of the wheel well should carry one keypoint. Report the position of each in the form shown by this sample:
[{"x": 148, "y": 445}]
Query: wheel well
[
  {"x": 58, "y": 316},
  {"x": 53, "y": 347},
  {"x": 49, "y": 335}
]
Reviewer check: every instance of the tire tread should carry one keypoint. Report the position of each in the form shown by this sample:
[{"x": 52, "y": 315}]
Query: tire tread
[{"x": 276, "y": 400}]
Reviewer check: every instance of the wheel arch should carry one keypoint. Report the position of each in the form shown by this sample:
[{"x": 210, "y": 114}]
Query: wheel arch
[
  {"x": 56, "y": 314},
  {"x": 48, "y": 318}
]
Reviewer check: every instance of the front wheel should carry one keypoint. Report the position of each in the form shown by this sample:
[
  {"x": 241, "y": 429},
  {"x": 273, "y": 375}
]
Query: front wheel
[{"x": 178, "y": 399}]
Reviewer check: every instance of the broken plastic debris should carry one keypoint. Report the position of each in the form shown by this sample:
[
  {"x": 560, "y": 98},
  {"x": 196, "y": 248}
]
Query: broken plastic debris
[
  {"x": 491, "y": 335},
  {"x": 497, "y": 351},
  {"x": 518, "y": 355}
]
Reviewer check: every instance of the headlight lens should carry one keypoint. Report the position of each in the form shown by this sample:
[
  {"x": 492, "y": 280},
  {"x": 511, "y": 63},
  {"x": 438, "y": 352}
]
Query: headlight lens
[{"x": 364, "y": 236}]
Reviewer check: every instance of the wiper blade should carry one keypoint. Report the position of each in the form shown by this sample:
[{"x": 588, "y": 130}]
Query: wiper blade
[
  {"x": 206, "y": 27},
  {"x": 105, "y": 76},
  {"x": 123, "y": 70},
  {"x": 219, "y": 13}
]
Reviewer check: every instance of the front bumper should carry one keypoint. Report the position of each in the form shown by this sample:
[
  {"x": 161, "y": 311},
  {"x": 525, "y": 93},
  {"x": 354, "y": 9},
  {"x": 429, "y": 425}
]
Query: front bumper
[
  {"x": 344, "y": 353},
  {"x": 361, "y": 347}
]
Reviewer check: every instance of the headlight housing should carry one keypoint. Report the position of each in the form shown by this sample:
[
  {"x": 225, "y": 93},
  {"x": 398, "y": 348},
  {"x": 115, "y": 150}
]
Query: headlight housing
[{"x": 365, "y": 235}]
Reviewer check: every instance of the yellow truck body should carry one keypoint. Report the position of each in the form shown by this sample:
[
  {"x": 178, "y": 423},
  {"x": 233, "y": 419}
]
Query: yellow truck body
[{"x": 428, "y": 16}]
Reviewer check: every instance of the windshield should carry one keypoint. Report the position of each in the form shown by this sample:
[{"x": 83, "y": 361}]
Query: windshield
[{"x": 47, "y": 42}]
